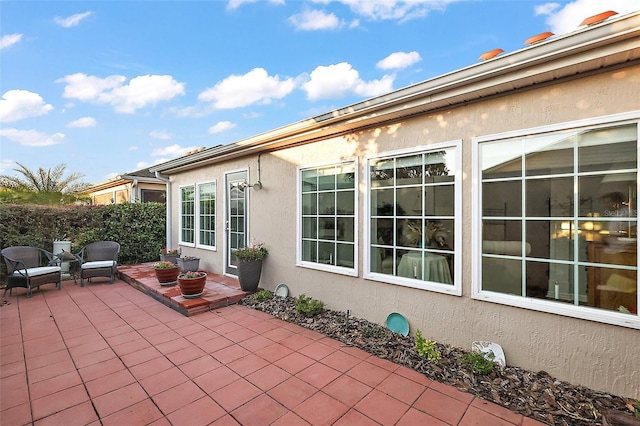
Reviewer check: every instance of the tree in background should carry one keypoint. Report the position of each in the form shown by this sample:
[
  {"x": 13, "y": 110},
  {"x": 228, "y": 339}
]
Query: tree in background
[{"x": 44, "y": 180}]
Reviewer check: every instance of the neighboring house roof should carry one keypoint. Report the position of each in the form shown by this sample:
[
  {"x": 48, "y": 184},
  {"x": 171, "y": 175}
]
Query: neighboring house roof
[
  {"x": 611, "y": 43},
  {"x": 142, "y": 176}
]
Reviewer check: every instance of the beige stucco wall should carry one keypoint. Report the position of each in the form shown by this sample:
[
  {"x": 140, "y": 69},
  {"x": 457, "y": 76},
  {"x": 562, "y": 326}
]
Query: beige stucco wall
[{"x": 596, "y": 355}]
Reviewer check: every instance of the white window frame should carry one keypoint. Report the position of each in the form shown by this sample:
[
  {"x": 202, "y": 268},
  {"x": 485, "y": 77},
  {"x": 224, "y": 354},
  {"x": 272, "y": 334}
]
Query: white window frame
[
  {"x": 320, "y": 266},
  {"x": 180, "y": 241},
  {"x": 456, "y": 288},
  {"x": 198, "y": 212},
  {"x": 581, "y": 312}
]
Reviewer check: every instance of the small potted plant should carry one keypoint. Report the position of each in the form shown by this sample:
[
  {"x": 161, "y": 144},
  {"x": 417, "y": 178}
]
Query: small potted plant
[
  {"x": 192, "y": 284},
  {"x": 169, "y": 255},
  {"x": 189, "y": 263},
  {"x": 166, "y": 272},
  {"x": 250, "y": 265}
]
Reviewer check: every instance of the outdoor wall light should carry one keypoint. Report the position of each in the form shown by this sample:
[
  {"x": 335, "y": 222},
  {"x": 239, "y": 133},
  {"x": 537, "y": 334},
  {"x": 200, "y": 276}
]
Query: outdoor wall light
[{"x": 256, "y": 186}]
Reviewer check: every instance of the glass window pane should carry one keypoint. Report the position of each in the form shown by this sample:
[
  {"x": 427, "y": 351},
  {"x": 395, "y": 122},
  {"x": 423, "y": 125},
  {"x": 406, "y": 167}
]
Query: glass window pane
[
  {"x": 381, "y": 173},
  {"x": 439, "y": 200},
  {"x": 409, "y": 201},
  {"x": 511, "y": 245},
  {"x": 382, "y": 202},
  {"x": 382, "y": 231},
  {"x": 382, "y": 260},
  {"x": 409, "y": 170},
  {"x": 501, "y": 159},
  {"x": 309, "y": 203},
  {"x": 327, "y": 228},
  {"x": 326, "y": 179},
  {"x": 611, "y": 288},
  {"x": 327, "y": 203},
  {"x": 613, "y": 195},
  {"x": 439, "y": 234},
  {"x": 502, "y": 275},
  {"x": 502, "y": 198},
  {"x": 345, "y": 202},
  {"x": 345, "y": 179},
  {"x": 538, "y": 275},
  {"x": 439, "y": 166},
  {"x": 345, "y": 256},
  {"x": 309, "y": 227},
  {"x": 309, "y": 180},
  {"x": 549, "y": 197},
  {"x": 326, "y": 253},
  {"x": 608, "y": 149},
  {"x": 345, "y": 229},
  {"x": 549, "y": 154},
  {"x": 309, "y": 251}
]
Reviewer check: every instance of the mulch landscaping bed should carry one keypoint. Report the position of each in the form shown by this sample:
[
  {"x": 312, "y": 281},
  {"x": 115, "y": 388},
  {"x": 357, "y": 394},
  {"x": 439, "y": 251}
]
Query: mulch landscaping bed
[{"x": 535, "y": 395}]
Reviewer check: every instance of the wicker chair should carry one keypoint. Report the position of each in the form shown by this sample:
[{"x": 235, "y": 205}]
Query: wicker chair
[
  {"x": 30, "y": 267},
  {"x": 98, "y": 259}
]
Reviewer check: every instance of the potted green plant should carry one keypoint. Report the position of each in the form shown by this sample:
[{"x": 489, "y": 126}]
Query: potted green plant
[
  {"x": 250, "y": 265},
  {"x": 189, "y": 263},
  {"x": 166, "y": 272},
  {"x": 170, "y": 255},
  {"x": 192, "y": 284}
]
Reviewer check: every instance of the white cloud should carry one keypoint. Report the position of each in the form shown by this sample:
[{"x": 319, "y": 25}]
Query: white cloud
[
  {"x": 173, "y": 151},
  {"x": 160, "y": 134},
  {"x": 83, "y": 122},
  {"x": 6, "y": 165},
  {"x": 18, "y": 104},
  {"x": 341, "y": 79},
  {"x": 133, "y": 148},
  {"x": 392, "y": 9},
  {"x": 72, "y": 20},
  {"x": 312, "y": 20},
  {"x": 221, "y": 126},
  {"x": 399, "y": 60},
  {"x": 546, "y": 9},
  {"x": 32, "y": 137},
  {"x": 9, "y": 40},
  {"x": 125, "y": 98},
  {"x": 234, "y": 4},
  {"x": 254, "y": 87},
  {"x": 569, "y": 17}
]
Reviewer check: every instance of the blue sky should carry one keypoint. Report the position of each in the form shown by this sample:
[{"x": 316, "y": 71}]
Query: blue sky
[{"x": 110, "y": 87}]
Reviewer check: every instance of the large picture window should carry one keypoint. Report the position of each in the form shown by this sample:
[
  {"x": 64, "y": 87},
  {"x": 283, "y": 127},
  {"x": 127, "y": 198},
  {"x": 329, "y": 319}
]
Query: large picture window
[
  {"x": 327, "y": 229},
  {"x": 207, "y": 214},
  {"x": 414, "y": 221},
  {"x": 558, "y": 218},
  {"x": 187, "y": 215}
]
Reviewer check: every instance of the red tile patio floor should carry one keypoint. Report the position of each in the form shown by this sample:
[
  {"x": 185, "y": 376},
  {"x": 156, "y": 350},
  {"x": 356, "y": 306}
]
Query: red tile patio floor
[{"x": 108, "y": 354}]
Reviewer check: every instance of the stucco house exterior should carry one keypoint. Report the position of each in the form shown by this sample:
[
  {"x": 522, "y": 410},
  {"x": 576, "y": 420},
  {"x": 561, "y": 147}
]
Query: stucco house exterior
[
  {"x": 496, "y": 202},
  {"x": 137, "y": 186}
]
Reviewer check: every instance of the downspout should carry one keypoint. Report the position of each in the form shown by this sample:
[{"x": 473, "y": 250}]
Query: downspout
[
  {"x": 134, "y": 191},
  {"x": 168, "y": 206}
]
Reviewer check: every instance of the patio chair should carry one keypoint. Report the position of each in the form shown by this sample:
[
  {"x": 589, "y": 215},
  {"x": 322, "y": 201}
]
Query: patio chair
[
  {"x": 30, "y": 267},
  {"x": 98, "y": 259}
]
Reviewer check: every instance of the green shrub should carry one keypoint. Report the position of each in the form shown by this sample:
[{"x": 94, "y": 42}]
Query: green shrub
[
  {"x": 263, "y": 295},
  {"x": 138, "y": 227},
  {"x": 427, "y": 348},
  {"x": 308, "y": 307},
  {"x": 479, "y": 362}
]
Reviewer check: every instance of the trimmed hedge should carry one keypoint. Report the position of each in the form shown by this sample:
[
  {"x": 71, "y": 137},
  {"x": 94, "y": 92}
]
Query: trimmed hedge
[{"x": 138, "y": 227}]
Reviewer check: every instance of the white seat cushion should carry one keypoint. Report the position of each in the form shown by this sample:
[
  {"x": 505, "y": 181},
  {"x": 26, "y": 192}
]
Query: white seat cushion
[
  {"x": 99, "y": 264},
  {"x": 33, "y": 272}
]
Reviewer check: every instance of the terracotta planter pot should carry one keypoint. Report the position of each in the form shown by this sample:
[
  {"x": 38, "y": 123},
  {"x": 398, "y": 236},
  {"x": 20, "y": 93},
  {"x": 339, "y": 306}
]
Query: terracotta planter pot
[
  {"x": 167, "y": 276},
  {"x": 192, "y": 287},
  {"x": 249, "y": 272}
]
